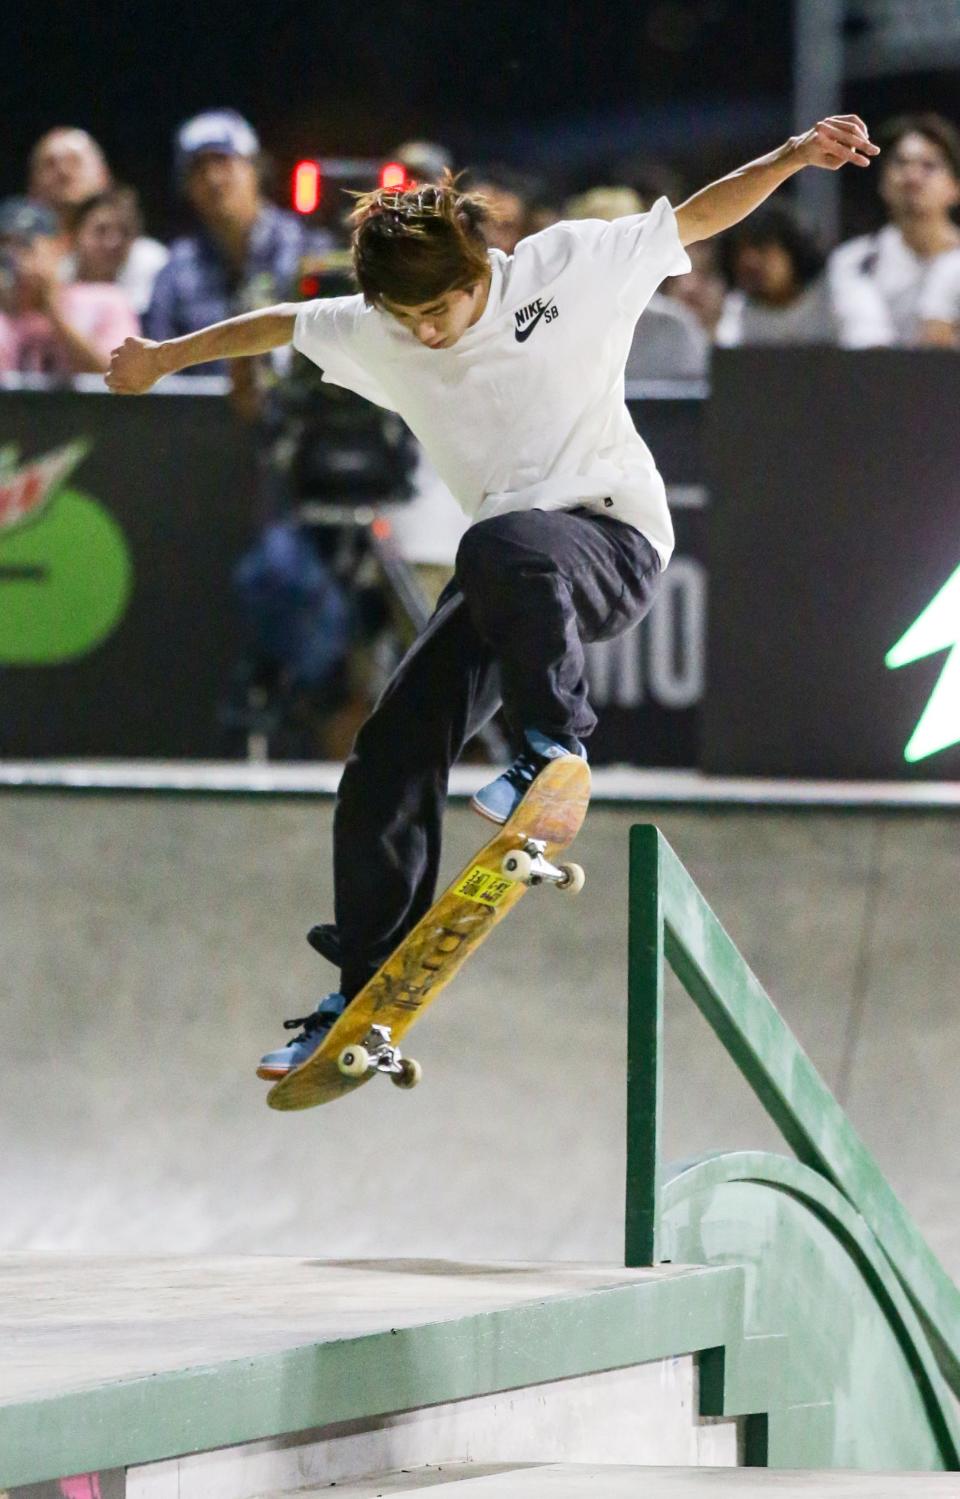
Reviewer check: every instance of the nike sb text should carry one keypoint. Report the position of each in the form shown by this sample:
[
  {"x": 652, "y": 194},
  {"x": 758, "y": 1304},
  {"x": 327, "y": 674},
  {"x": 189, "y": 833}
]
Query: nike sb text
[{"x": 528, "y": 317}]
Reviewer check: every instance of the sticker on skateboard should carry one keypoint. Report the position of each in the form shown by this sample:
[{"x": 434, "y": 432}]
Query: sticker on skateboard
[
  {"x": 521, "y": 854},
  {"x": 483, "y": 885}
]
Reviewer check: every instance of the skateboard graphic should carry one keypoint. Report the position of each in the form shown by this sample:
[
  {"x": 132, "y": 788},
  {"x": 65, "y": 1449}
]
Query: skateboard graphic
[{"x": 521, "y": 853}]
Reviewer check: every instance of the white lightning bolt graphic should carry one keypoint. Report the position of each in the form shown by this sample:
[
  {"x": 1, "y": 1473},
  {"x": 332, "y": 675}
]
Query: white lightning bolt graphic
[{"x": 936, "y": 629}]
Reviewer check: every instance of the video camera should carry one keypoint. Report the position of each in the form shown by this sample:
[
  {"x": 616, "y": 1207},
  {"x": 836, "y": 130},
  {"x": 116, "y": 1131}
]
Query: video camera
[{"x": 336, "y": 447}]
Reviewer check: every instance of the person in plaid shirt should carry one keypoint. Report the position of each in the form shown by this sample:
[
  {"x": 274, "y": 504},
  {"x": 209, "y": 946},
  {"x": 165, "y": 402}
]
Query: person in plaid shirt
[{"x": 247, "y": 251}]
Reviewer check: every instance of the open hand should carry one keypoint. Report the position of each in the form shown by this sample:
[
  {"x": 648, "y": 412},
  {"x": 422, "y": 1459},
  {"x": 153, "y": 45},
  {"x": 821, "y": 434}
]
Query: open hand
[
  {"x": 134, "y": 367},
  {"x": 835, "y": 141}
]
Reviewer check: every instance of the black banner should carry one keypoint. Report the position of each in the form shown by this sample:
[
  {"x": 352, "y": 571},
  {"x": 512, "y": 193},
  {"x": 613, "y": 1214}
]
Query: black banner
[
  {"x": 835, "y": 555},
  {"x": 120, "y": 522}
]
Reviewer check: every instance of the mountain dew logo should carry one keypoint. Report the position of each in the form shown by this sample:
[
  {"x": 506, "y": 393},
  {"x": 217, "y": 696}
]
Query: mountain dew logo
[
  {"x": 937, "y": 628},
  {"x": 65, "y": 572}
]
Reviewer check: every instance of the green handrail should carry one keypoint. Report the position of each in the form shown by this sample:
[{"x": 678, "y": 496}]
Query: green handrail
[{"x": 670, "y": 921}]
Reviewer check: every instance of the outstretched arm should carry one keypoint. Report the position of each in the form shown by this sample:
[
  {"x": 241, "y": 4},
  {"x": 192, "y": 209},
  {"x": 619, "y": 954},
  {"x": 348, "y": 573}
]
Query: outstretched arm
[
  {"x": 140, "y": 362},
  {"x": 830, "y": 144}
]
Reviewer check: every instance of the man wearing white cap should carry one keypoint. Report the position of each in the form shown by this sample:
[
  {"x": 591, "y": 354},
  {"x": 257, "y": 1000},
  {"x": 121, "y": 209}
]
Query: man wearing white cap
[{"x": 247, "y": 250}]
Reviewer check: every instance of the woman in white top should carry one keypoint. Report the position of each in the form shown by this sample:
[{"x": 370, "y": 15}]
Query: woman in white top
[{"x": 920, "y": 187}]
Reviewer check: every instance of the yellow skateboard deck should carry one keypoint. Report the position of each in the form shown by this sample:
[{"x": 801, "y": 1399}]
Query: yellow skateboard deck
[{"x": 550, "y": 814}]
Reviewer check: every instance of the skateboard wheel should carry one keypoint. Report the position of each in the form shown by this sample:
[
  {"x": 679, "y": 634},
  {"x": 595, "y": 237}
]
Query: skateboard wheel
[
  {"x": 516, "y": 865},
  {"x": 573, "y": 879},
  {"x": 354, "y": 1061},
  {"x": 409, "y": 1075}
]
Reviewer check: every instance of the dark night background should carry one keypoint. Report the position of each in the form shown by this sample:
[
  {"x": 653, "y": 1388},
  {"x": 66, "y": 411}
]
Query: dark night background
[{"x": 564, "y": 88}]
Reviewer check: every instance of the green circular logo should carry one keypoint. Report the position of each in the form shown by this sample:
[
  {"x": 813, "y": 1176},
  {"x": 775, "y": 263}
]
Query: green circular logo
[{"x": 65, "y": 581}]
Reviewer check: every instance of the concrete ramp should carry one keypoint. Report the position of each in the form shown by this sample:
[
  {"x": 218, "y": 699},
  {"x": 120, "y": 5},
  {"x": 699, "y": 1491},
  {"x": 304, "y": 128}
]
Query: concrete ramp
[{"x": 775, "y": 1311}]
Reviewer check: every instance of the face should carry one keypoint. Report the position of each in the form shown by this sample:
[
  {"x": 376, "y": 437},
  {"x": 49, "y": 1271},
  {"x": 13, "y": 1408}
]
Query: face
[
  {"x": 765, "y": 272},
  {"x": 102, "y": 244},
  {"x": 917, "y": 179},
  {"x": 67, "y": 167},
  {"x": 223, "y": 189},
  {"x": 440, "y": 323}
]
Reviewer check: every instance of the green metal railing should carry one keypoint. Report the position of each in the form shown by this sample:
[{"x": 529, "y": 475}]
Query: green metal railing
[{"x": 671, "y": 923}]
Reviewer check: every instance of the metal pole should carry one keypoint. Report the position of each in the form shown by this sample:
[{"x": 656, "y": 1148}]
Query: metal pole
[{"x": 818, "y": 91}]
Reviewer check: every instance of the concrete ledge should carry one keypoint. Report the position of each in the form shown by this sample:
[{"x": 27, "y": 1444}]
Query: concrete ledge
[
  {"x": 622, "y": 785},
  {"x": 112, "y": 1363},
  {"x": 563, "y": 1481}
]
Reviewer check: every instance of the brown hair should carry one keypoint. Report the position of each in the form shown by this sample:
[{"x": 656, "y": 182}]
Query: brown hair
[
  {"x": 414, "y": 246},
  {"x": 933, "y": 127},
  {"x": 124, "y": 199}
]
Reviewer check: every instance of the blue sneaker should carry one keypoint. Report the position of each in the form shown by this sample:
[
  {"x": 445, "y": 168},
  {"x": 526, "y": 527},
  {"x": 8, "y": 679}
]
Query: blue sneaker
[
  {"x": 501, "y": 798},
  {"x": 315, "y": 1028}
]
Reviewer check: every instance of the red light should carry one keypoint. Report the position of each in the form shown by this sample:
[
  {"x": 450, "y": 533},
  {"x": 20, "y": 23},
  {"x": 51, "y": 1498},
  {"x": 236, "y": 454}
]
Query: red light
[
  {"x": 306, "y": 186},
  {"x": 394, "y": 175}
]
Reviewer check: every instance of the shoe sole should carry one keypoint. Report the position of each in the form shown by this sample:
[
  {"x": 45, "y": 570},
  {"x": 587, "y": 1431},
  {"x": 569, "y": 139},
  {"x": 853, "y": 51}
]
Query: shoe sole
[{"x": 479, "y": 807}]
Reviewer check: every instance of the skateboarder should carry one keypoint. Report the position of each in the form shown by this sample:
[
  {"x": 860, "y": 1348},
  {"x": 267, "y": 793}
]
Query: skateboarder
[{"x": 509, "y": 370}]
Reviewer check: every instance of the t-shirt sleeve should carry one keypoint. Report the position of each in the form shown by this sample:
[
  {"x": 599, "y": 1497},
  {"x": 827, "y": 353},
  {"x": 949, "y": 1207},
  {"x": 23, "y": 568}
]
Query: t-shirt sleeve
[
  {"x": 635, "y": 253},
  {"x": 325, "y": 332}
]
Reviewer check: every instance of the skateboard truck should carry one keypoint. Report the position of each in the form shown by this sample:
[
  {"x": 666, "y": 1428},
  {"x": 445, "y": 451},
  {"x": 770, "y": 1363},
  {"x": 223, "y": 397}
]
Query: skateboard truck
[
  {"x": 377, "y": 1053},
  {"x": 529, "y": 865}
]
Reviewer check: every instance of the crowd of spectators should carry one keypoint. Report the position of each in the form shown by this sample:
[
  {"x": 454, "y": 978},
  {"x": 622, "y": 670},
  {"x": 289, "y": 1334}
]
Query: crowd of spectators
[{"x": 77, "y": 272}]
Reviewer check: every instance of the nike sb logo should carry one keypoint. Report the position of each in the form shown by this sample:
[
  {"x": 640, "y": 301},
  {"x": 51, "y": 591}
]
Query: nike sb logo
[{"x": 528, "y": 317}]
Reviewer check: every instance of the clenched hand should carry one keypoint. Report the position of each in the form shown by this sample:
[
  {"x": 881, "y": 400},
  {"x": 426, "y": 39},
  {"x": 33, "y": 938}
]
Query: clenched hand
[{"x": 134, "y": 367}]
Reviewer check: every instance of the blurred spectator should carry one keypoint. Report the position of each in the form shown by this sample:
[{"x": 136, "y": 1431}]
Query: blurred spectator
[
  {"x": 510, "y": 195},
  {"x": 939, "y": 308},
  {"x": 247, "y": 252},
  {"x": 782, "y": 294},
  {"x": 920, "y": 186},
  {"x": 668, "y": 343},
  {"x": 425, "y": 161},
  {"x": 67, "y": 168},
  {"x": 702, "y": 290},
  {"x": 104, "y": 229},
  {"x": 47, "y": 327}
]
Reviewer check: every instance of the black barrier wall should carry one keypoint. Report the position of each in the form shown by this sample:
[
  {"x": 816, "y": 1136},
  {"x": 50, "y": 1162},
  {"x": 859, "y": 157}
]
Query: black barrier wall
[
  {"x": 834, "y": 619},
  {"x": 647, "y": 686},
  {"x": 834, "y": 589},
  {"x": 119, "y": 523}
]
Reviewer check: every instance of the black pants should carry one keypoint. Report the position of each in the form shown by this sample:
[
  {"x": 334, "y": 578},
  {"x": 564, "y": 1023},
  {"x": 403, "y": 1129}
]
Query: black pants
[{"x": 530, "y": 589}]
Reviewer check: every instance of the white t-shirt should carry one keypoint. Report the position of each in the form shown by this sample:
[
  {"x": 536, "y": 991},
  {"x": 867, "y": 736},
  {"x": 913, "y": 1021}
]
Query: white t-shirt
[
  {"x": 428, "y": 526},
  {"x": 898, "y": 273},
  {"x": 526, "y": 410},
  {"x": 143, "y": 265},
  {"x": 940, "y": 301}
]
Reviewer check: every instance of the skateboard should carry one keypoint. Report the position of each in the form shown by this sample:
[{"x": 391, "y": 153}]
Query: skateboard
[{"x": 362, "y": 1044}]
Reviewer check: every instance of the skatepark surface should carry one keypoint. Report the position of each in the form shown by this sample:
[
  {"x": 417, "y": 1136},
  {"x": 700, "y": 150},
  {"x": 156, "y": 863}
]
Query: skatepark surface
[{"x": 150, "y": 947}]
